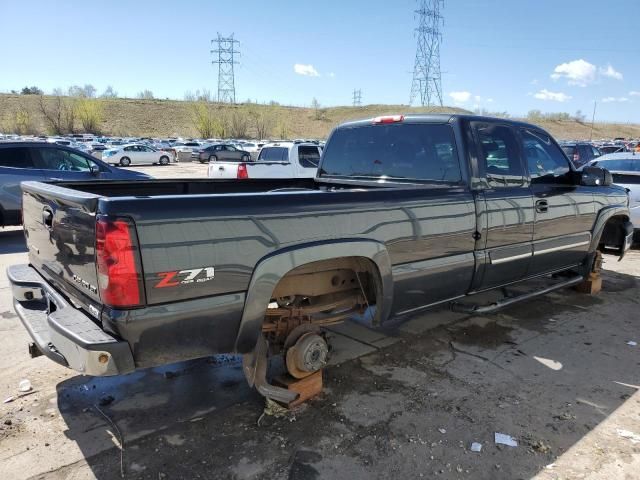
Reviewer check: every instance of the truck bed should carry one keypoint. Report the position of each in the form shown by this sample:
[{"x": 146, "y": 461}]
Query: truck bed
[{"x": 142, "y": 188}]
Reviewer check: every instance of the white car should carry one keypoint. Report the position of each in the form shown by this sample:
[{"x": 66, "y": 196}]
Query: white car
[
  {"x": 276, "y": 160},
  {"x": 135, "y": 154},
  {"x": 184, "y": 149},
  {"x": 625, "y": 168},
  {"x": 252, "y": 148}
]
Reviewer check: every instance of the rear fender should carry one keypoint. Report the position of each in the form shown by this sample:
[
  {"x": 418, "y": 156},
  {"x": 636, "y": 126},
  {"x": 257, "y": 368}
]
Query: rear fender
[{"x": 271, "y": 269}]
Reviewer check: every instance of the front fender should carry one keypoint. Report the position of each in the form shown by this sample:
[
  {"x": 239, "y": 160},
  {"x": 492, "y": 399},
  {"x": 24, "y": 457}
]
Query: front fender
[
  {"x": 272, "y": 268},
  {"x": 603, "y": 217}
]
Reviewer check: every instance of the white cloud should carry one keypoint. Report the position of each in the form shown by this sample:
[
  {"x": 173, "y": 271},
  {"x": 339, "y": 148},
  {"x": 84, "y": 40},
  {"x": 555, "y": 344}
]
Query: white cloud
[
  {"x": 634, "y": 93},
  {"x": 489, "y": 100},
  {"x": 610, "y": 72},
  {"x": 614, "y": 99},
  {"x": 460, "y": 97},
  {"x": 545, "y": 94},
  {"x": 576, "y": 72},
  {"x": 331, "y": 75},
  {"x": 306, "y": 70},
  {"x": 534, "y": 81},
  {"x": 582, "y": 73}
]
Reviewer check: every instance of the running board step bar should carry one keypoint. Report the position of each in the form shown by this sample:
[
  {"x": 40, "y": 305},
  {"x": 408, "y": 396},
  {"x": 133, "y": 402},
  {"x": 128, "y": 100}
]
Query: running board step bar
[{"x": 473, "y": 308}]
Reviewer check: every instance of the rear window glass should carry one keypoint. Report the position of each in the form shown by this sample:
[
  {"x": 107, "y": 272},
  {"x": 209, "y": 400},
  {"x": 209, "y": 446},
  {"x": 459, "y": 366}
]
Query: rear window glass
[
  {"x": 15, "y": 158},
  {"x": 570, "y": 151},
  {"x": 399, "y": 151},
  {"x": 274, "y": 154}
]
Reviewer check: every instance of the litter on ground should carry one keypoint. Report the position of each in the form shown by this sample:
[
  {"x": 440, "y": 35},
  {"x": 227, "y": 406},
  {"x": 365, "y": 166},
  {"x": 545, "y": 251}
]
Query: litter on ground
[{"x": 503, "y": 439}]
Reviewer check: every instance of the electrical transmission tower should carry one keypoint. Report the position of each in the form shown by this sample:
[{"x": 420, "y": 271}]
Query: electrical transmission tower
[
  {"x": 427, "y": 82},
  {"x": 226, "y": 52},
  {"x": 357, "y": 98}
]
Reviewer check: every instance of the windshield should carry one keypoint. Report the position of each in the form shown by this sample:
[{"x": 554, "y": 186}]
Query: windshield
[{"x": 416, "y": 151}]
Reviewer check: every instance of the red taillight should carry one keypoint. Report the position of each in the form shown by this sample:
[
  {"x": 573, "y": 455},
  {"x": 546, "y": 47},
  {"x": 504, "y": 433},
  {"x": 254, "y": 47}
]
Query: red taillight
[
  {"x": 119, "y": 277},
  {"x": 242, "y": 171},
  {"x": 389, "y": 119}
]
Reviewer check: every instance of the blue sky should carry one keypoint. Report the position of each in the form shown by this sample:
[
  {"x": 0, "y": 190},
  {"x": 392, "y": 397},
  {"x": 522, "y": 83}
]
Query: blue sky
[{"x": 501, "y": 55}]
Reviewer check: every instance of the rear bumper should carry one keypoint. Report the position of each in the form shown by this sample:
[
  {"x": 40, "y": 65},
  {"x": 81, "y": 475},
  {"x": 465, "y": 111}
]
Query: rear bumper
[{"x": 63, "y": 333}]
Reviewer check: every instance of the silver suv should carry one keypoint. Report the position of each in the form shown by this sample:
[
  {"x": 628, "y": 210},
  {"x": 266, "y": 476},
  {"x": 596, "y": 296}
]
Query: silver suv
[{"x": 39, "y": 161}]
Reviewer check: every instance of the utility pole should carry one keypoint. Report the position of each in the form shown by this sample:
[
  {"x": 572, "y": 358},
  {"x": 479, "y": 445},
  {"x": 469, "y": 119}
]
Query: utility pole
[
  {"x": 226, "y": 53},
  {"x": 427, "y": 79},
  {"x": 357, "y": 97},
  {"x": 593, "y": 119}
]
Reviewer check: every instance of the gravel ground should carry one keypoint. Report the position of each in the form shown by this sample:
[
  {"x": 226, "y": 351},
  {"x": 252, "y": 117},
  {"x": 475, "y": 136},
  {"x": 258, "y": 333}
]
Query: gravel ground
[{"x": 556, "y": 373}]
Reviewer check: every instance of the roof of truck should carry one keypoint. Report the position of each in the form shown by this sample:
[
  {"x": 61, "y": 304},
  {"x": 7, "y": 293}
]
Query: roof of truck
[{"x": 433, "y": 118}]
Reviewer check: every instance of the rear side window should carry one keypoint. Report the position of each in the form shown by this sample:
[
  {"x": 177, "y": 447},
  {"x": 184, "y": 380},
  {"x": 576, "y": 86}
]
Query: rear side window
[
  {"x": 545, "y": 161},
  {"x": 15, "y": 158},
  {"x": 626, "y": 165},
  {"x": 413, "y": 151},
  {"x": 309, "y": 157},
  {"x": 500, "y": 156},
  {"x": 274, "y": 154}
]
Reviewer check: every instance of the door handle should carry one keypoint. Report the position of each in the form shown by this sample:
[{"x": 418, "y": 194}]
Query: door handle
[
  {"x": 220, "y": 168},
  {"x": 542, "y": 206}
]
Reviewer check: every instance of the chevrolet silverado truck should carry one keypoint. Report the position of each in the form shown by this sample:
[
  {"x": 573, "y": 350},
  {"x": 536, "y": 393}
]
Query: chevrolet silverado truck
[{"x": 404, "y": 213}]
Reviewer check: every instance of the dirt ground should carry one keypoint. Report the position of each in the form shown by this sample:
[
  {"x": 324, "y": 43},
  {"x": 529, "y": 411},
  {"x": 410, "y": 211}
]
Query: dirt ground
[{"x": 556, "y": 373}]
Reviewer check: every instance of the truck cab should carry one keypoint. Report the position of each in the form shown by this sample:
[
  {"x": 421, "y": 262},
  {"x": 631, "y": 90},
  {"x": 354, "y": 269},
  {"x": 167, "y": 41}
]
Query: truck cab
[{"x": 275, "y": 160}]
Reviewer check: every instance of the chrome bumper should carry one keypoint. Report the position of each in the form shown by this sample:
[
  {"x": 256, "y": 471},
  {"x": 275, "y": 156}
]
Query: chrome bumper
[{"x": 62, "y": 332}]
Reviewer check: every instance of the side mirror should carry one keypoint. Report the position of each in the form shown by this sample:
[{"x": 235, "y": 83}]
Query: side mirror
[
  {"x": 596, "y": 177},
  {"x": 94, "y": 169}
]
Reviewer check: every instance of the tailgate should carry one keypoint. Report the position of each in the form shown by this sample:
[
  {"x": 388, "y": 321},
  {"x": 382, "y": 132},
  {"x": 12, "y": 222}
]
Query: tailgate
[
  {"x": 223, "y": 169},
  {"x": 59, "y": 225}
]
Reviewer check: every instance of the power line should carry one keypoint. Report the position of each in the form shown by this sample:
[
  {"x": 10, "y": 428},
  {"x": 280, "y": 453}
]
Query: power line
[
  {"x": 357, "y": 97},
  {"x": 226, "y": 52},
  {"x": 427, "y": 79}
]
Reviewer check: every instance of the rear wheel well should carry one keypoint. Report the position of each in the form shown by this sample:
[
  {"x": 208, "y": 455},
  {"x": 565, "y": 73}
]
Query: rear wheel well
[{"x": 322, "y": 293}]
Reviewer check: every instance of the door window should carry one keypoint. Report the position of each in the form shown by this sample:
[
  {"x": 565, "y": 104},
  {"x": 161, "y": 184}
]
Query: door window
[
  {"x": 15, "y": 158},
  {"x": 309, "y": 156},
  {"x": 62, "y": 160},
  {"x": 499, "y": 155},
  {"x": 545, "y": 161}
]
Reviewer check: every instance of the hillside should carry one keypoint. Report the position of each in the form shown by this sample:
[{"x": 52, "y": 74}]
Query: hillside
[{"x": 161, "y": 118}]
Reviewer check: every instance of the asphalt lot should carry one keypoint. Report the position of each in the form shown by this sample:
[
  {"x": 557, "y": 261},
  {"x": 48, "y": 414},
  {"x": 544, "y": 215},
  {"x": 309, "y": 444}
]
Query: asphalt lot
[{"x": 556, "y": 373}]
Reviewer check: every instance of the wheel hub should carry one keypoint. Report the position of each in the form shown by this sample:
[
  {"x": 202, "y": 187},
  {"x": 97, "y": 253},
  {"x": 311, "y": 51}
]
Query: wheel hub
[{"x": 308, "y": 355}]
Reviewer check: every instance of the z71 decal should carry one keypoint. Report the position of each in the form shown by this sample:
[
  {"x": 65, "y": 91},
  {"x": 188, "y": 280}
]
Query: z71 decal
[{"x": 185, "y": 277}]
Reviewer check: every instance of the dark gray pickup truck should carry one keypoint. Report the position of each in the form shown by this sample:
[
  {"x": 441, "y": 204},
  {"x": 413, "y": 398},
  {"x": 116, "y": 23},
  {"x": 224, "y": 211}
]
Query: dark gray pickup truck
[{"x": 405, "y": 213}]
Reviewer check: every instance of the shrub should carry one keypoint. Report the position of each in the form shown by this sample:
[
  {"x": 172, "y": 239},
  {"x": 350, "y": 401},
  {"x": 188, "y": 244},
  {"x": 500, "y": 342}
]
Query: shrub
[{"x": 90, "y": 113}]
